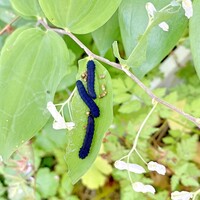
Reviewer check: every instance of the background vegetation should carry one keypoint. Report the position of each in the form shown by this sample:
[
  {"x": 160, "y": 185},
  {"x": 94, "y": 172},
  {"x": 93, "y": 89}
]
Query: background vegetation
[{"x": 163, "y": 62}]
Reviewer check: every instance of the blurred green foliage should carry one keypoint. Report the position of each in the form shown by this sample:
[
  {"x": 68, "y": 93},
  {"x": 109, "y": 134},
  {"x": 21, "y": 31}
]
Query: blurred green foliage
[{"x": 38, "y": 169}]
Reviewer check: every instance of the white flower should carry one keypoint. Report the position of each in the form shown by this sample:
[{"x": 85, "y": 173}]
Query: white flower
[
  {"x": 184, "y": 195},
  {"x": 140, "y": 187},
  {"x": 187, "y": 6},
  {"x": 55, "y": 114},
  {"x": 121, "y": 165},
  {"x": 135, "y": 168},
  {"x": 1, "y": 159},
  {"x": 150, "y": 9},
  {"x": 63, "y": 125},
  {"x": 164, "y": 26},
  {"x": 59, "y": 121},
  {"x": 154, "y": 166}
]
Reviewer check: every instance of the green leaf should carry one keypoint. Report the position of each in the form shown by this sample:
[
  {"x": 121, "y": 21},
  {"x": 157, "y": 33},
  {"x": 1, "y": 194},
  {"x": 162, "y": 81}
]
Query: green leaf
[
  {"x": 107, "y": 34},
  {"x": 73, "y": 197},
  {"x": 32, "y": 63},
  {"x": 131, "y": 106},
  {"x": 146, "y": 50},
  {"x": 47, "y": 182},
  {"x": 194, "y": 36},
  {"x": 187, "y": 148},
  {"x": 66, "y": 186},
  {"x": 121, "y": 98},
  {"x": 169, "y": 140},
  {"x": 181, "y": 169},
  {"x": 189, "y": 181},
  {"x": 50, "y": 138},
  {"x": 174, "y": 182},
  {"x": 28, "y": 8},
  {"x": 99, "y": 169},
  {"x": 76, "y": 166},
  {"x": 6, "y": 12},
  {"x": 78, "y": 16}
]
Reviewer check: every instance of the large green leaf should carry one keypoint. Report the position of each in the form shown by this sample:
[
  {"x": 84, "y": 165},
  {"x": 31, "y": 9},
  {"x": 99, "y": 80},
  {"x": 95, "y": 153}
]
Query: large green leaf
[
  {"x": 29, "y": 8},
  {"x": 195, "y": 35},
  {"x": 148, "y": 51},
  {"x": 107, "y": 34},
  {"x": 6, "y": 12},
  {"x": 32, "y": 63},
  {"x": 76, "y": 166},
  {"x": 79, "y": 16}
]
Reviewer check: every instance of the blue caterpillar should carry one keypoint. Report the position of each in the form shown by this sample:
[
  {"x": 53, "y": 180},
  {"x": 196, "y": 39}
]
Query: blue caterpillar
[
  {"x": 85, "y": 149},
  {"x": 94, "y": 109},
  {"x": 91, "y": 79}
]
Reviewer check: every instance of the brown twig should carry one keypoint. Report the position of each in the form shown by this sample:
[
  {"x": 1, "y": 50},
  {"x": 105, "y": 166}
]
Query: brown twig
[
  {"x": 8, "y": 25},
  {"x": 120, "y": 67}
]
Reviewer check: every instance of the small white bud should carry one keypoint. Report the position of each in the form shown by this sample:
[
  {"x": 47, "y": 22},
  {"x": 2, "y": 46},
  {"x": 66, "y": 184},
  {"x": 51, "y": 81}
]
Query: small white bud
[
  {"x": 121, "y": 165},
  {"x": 135, "y": 168},
  {"x": 154, "y": 166},
  {"x": 150, "y": 9},
  {"x": 140, "y": 187},
  {"x": 184, "y": 195},
  {"x": 187, "y": 6},
  {"x": 164, "y": 26}
]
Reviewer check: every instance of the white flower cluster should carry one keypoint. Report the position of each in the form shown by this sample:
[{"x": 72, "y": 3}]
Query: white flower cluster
[
  {"x": 186, "y": 4},
  {"x": 135, "y": 168},
  {"x": 59, "y": 121},
  {"x": 151, "y": 10}
]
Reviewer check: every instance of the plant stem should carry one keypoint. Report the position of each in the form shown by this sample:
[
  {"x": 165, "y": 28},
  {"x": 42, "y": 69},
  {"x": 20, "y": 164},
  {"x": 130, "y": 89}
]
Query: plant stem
[
  {"x": 8, "y": 25},
  {"x": 196, "y": 194},
  {"x": 139, "y": 131},
  {"x": 196, "y": 121},
  {"x": 136, "y": 141}
]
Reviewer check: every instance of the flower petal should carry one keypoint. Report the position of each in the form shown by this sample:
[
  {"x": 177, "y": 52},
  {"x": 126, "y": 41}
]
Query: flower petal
[
  {"x": 59, "y": 125},
  {"x": 183, "y": 195},
  {"x": 121, "y": 165},
  {"x": 154, "y": 166},
  {"x": 150, "y": 9},
  {"x": 187, "y": 6},
  {"x": 63, "y": 125},
  {"x": 164, "y": 26},
  {"x": 135, "y": 168},
  {"x": 55, "y": 114},
  {"x": 140, "y": 187}
]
